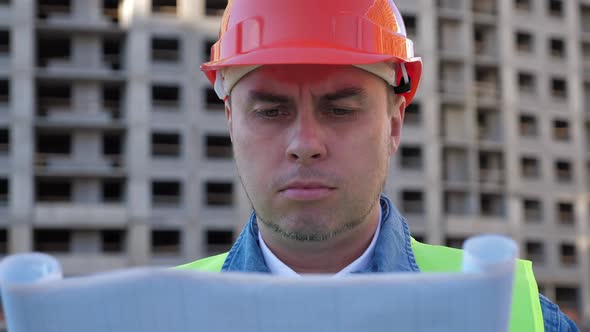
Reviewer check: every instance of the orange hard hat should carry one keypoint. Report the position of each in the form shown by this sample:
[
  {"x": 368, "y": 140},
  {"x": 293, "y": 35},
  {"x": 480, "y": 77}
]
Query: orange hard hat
[{"x": 355, "y": 32}]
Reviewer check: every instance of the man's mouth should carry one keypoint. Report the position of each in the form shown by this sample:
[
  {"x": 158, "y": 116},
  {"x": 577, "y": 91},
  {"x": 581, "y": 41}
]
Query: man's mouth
[{"x": 306, "y": 191}]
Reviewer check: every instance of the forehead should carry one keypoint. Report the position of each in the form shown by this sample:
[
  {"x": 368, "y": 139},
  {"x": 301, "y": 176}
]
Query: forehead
[{"x": 319, "y": 78}]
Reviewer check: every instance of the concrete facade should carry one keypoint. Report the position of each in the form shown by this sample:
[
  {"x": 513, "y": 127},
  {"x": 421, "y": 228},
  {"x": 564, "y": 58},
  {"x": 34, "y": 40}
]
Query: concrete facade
[{"x": 118, "y": 150}]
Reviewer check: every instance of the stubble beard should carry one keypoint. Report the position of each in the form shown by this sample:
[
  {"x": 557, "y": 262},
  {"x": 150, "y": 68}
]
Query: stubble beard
[{"x": 274, "y": 224}]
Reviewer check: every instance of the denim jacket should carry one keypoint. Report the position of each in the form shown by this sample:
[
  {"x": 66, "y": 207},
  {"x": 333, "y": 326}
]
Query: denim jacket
[{"x": 393, "y": 253}]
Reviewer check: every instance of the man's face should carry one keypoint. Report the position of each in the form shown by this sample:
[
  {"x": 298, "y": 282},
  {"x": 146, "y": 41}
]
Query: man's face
[{"x": 312, "y": 145}]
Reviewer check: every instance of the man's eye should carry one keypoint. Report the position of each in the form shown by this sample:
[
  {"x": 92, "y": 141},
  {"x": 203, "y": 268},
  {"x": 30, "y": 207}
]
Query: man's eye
[
  {"x": 270, "y": 113},
  {"x": 340, "y": 111}
]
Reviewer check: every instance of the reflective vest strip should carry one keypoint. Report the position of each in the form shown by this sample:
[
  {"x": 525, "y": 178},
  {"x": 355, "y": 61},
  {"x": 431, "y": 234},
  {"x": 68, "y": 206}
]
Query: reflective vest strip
[{"x": 526, "y": 312}]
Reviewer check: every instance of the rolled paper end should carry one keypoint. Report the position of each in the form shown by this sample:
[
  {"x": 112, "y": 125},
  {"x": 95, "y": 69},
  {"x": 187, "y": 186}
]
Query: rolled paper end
[
  {"x": 28, "y": 268},
  {"x": 488, "y": 253}
]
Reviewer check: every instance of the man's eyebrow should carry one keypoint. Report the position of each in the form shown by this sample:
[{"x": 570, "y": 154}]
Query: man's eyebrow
[
  {"x": 351, "y": 92},
  {"x": 268, "y": 97}
]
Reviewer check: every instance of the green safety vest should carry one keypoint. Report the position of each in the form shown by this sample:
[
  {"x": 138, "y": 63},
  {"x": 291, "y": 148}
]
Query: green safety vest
[{"x": 526, "y": 315}]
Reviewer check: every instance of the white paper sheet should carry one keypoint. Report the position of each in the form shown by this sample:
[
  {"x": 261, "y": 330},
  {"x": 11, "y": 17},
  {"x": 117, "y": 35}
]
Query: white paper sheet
[{"x": 36, "y": 299}]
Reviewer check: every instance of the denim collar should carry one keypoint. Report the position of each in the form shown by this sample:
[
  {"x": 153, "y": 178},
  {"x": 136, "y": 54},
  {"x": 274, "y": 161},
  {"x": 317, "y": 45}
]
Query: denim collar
[{"x": 393, "y": 250}]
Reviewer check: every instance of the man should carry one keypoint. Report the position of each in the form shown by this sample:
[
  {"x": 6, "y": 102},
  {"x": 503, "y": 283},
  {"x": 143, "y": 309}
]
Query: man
[{"x": 315, "y": 93}]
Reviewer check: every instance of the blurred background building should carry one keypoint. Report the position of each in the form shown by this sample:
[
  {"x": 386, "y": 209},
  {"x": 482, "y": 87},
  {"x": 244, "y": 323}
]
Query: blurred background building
[{"x": 114, "y": 150}]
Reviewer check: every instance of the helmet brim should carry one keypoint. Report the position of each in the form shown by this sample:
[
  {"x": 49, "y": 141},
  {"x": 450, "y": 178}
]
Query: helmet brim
[{"x": 313, "y": 55}]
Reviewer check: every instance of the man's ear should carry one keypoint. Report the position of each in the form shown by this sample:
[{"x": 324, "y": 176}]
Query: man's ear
[
  {"x": 228, "y": 118},
  {"x": 397, "y": 120}
]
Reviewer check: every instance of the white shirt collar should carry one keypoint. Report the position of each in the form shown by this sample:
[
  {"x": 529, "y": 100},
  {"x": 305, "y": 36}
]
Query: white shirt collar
[{"x": 276, "y": 266}]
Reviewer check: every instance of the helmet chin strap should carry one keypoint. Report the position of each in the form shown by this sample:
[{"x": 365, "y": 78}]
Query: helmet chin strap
[
  {"x": 219, "y": 89},
  {"x": 405, "y": 84}
]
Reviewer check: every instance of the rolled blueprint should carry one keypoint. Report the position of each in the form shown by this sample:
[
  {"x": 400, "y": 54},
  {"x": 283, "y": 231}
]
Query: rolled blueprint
[{"x": 153, "y": 299}]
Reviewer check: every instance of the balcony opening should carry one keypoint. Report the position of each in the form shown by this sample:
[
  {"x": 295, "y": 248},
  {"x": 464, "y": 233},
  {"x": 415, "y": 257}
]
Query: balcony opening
[
  {"x": 535, "y": 252},
  {"x": 110, "y": 10},
  {"x": 111, "y": 100},
  {"x": 487, "y": 7},
  {"x": 411, "y": 26},
  {"x": 450, "y": 4},
  {"x": 530, "y": 168},
  {"x": 111, "y": 53},
  {"x": 167, "y": 96},
  {"x": 485, "y": 40},
  {"x": 207, "y": 45},
  {"x": 563, "y": 171},
  {"x": 4, "y": 191},
  {"x": 112, "y": 191},
  {"x": 215, "y": 7},
  {"x": 47, "y": 8},
  {"x": 555, "y": 8},
  {"x": 412, "y": 202},
  {"x": 218, "y": 146},
  {"x": 489, "y": 125},
  {"x": 413, "y": 114},
  {"x": 53, "y": 191},
  {"x": 486, "y": 83},
  {"x": 565, "y": 213},
  {"x": 212, "y": 101},
  {"x": 54, "y": 144},
  {"x": 166, "y": 193},
  {"x": 52, "y": 240},
  {"x": 113, "y": 241},
  {"x": 523, "y": 5},
  {"x": 219, "y": 194},
  {"x": 528, "y": 126},
  {"x": 4, "y": 141},
  {"x": 492, "y": 205},
  {"x": 164, "y": 7},
  {"x": 450, "y": 36},
  {"x": 165, "y": 49},
  {"x": 567, "y": 298},
  {"x": 454, "y": 122},
  {"x": 527, "y": 83},
  {"x": 4, "y": 42},
  {"x": 559, "y": 88},
  {"x": 455, "y": 242},
  {"x": 112, "y": 149},
  {"x": 561, "y": 130},
  {"x": 532, "y": 210},
  {"x": 219, "y": 241},
  {"x": 53, "y": 96},
  {"x": 411, "y": 158},
  {"x": 585, "y": 46},
  {"x": 165, "y": 145},
  {"x": 53, "y": 49},
  {"x": 457, "y": 203},
  {"x": 585, "y": 18},
  {"x": 491, "y": 167},
  {"x": 524, "y": 42},
  {"x": 86, "y": 242},
  {"x": 4, "y": 92},
  {"x": 568, "y": 255},
  {"x": 452, "y": 79},
  {"x": 455, "y": 165},
  {"x": 3, "y": 246},
  {"x": 557, "y": 48},
  {"x": 165, "y": 242}
]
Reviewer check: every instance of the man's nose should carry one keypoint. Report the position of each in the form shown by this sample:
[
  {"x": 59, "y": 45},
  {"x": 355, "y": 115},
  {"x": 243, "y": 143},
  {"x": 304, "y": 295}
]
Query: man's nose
[{"x": 306, "y": 142}]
